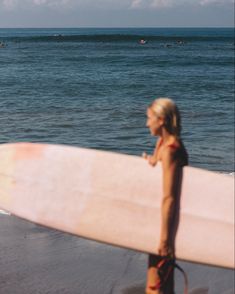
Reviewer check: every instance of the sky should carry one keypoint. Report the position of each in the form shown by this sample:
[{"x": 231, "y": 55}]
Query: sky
[{"x": 116, "y": 13}]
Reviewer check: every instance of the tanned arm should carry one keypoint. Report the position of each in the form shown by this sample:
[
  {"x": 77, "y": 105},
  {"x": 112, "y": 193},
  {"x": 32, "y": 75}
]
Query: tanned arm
[{"x": 171, "y": 170}]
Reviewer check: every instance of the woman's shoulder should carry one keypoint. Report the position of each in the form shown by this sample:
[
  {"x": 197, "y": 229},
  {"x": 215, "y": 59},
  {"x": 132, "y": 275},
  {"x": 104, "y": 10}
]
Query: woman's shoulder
[
  {"x": 176, "y": 151},
  {"x": 169, "y": 151},
  {"x": 173, "y": 144}
]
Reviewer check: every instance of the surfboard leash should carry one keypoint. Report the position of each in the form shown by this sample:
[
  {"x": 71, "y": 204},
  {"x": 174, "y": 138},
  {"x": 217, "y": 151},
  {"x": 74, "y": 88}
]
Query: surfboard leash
[
  {"x": 165, "y": 268},
  {"x": 185, "y": 277}
]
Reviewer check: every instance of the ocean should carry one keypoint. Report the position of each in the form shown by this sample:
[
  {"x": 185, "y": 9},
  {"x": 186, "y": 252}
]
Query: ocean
[{"x": 90, "y": 88}]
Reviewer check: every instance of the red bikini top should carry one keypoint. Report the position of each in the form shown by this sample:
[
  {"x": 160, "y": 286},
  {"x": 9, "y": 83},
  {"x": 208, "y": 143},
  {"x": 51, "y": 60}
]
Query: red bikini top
[{"x": 182, "y": 153}]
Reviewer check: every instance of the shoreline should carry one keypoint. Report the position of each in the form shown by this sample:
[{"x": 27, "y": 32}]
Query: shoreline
[{"x": 35, "y": 259}]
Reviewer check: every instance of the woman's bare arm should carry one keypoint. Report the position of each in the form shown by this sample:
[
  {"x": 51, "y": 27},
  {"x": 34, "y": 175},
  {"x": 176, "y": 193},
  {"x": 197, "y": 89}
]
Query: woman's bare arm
[{"x": 171, "y": 170}]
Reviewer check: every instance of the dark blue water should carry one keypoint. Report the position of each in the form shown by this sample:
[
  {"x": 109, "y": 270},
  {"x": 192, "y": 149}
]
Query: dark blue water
[{"x": 91, "y": 87}]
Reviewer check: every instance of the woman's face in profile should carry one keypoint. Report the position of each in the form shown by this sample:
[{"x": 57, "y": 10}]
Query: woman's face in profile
[{"x": 154, "y": 123}]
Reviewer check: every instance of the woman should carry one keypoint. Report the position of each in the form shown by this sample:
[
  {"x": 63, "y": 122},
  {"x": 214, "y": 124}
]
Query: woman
[{"x": 163, "y": 120}]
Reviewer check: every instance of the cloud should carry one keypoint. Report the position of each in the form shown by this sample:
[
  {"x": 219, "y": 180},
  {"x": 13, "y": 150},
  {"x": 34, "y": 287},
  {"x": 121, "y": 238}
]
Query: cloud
[
  {"x": 52, "y": 3},
  {"x": 14, "y": 4},
  {"x": 216, "y": 2},
  {"x": 107, "y": 4},
  {"x": 137, "y": 4},
  {"x": 162, "y": 3},
  {"x": 9, "y": 4},
  {"x": 65, "y": 4}
]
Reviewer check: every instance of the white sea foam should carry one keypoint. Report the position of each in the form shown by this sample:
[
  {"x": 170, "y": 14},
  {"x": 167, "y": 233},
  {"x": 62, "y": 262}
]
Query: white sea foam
[
  {"x": 232, "y": 174},
  {"x": 4, "y": 212}
]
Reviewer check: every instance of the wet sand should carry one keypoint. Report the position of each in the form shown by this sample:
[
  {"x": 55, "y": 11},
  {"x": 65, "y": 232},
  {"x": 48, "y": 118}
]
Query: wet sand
[{"x": 35, "y": 259}]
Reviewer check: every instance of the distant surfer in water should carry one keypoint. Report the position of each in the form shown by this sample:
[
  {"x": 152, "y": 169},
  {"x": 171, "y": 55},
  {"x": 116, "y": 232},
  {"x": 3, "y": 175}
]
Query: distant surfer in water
[
  {"x": 163, "y": 120},
  {"x": 142, "y": 42}
]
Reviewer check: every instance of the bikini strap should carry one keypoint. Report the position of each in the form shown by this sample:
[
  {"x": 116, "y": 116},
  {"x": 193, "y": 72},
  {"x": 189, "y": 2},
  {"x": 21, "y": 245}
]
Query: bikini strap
[{"x": 173, "y": 146}]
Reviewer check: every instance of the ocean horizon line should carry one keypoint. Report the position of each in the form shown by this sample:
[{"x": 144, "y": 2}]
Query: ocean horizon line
[{"x": 117, "y": 27}]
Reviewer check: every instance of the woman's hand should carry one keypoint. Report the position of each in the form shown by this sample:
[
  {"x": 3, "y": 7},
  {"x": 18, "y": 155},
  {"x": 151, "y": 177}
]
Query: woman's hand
[
  {"x": 150, "y": 158},
  {"x": 166, "y": 249}
]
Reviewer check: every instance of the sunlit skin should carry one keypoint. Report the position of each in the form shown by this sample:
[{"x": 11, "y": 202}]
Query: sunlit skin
[{"x": 172, "y": 172}]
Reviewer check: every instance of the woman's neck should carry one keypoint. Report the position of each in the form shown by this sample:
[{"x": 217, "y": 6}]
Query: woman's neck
[{"x": 166, "y": 137}]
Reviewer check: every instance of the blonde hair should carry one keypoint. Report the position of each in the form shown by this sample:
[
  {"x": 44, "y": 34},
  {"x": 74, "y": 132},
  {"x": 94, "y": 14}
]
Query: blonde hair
[{"x": 167, "y": 109}]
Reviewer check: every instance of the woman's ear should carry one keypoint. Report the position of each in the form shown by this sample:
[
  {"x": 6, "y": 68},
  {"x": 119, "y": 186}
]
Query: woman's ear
[{"x": 161, "y": 121}]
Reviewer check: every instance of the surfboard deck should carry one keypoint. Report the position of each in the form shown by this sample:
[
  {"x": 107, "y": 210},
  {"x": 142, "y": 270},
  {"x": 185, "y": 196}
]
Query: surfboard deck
[{"x": 116, "y": 198}]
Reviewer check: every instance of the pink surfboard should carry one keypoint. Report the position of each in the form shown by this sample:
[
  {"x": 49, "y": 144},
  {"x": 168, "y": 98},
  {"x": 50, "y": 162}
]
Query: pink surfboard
[{"x": 115, "y": 199}]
